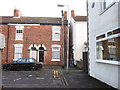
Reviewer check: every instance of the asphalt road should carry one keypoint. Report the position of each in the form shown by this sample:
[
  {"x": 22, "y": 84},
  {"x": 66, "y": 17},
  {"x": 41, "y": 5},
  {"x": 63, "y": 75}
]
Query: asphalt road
[
  {"x": 32, "y": 79},
  {"x": 44, "y": 78}
]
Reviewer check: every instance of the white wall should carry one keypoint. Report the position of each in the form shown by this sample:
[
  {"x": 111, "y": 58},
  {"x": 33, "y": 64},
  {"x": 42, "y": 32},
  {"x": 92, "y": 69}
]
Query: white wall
[
  {"x": 79, "y": 38},
  {"x": 99, "y": 23}
]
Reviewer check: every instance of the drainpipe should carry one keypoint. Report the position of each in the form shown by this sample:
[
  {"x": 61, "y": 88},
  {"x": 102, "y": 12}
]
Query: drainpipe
[
  {"x": 63, "y": 31},
  {"x": 88, "y": 36},
  {"x": 7, "y": 43}
]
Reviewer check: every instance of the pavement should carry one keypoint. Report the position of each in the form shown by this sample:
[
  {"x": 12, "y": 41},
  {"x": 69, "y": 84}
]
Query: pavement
[{"x": 44, "y": 78}]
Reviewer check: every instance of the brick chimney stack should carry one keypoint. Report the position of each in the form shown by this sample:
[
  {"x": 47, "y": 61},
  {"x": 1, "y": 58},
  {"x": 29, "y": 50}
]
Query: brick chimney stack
[
  {"x": 72, "y": 14},
  {"x": 65, "y": 15},
  {"x": 17, "y": 13}
]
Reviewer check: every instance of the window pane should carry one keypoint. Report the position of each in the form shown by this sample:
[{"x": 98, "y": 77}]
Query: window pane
[
  {"x": 55, "y": 48},
  {"x": 56, "y": 53},
  {"x": 19, "y": 34},
  {"x": 56, "y": 34},
  {"x": 108, "y": 3},
  {"x": 33, "y": 54},
  {"x": 18, "y": 52},
  {"x": 108, "y": 49}
]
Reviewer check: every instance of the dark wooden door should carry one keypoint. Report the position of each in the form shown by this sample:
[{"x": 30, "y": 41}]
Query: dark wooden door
[
  {"x": 85, "y": 62},
  {"x": 41, "y": 56}
]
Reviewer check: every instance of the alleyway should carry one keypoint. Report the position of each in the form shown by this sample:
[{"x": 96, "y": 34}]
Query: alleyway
[{"x": 44, "y": 78}]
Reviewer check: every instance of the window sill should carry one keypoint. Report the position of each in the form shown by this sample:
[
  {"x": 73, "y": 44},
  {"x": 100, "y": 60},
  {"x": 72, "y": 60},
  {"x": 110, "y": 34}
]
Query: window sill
[
  {"x": 55, "y": 39},
  {"x": 18, "y": 39},
  {"x": 55, "y": 60},
  {"x": 109, "y": 62},
  {"x": 107, "y": 8}
]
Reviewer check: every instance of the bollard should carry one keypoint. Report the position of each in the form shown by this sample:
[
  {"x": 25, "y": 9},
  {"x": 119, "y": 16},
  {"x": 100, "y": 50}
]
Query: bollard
[{"x": 55, "y": 74}]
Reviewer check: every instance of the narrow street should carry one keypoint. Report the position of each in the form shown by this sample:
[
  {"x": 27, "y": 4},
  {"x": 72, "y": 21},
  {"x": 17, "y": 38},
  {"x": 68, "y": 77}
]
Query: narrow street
[{"x": 44, "y": 78}]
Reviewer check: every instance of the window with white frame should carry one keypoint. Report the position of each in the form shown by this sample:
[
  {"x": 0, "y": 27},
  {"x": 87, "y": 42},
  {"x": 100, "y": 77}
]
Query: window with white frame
[
  {"x": 108, "y": 47},
  {"x": 56, "y": 33},
  {"x": 33, "y": 54},
  {"x": 55, "y": 52},
  {"x": 18, "y": 51},
  {"x": 107, "y": 3},
  {"x": 19, "y": 32}
]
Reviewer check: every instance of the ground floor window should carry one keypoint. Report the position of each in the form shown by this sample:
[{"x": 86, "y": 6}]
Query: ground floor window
[
  {"x": 109, "y": 48},
  {"x": 55, "y": 52},
  {"x": 18, "y": 51},
  {"x": 33, "y": 54}
]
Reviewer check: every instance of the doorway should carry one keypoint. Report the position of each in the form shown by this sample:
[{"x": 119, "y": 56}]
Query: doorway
[
  {"x": 41, "y": 54},
  {"x": 41, "y": 50}
]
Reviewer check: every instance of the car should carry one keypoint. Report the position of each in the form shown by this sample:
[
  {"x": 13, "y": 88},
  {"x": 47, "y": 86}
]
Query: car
[{"x": 23, "y": 64}]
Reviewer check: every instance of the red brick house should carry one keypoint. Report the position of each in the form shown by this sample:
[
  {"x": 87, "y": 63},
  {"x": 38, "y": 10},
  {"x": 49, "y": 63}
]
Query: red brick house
[{"x": 41, "y": 38}]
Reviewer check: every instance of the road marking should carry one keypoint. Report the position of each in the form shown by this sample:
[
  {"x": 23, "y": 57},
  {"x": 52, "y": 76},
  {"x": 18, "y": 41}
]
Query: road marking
[
  {"x": 16, "y": 79},
  {"x": 29, "y": 75},
  {"x": 40, "y": 78}
]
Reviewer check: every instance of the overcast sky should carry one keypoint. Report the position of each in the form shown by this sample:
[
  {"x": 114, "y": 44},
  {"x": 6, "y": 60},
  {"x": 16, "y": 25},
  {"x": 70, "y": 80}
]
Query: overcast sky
[{"x": 41, "y": 8}]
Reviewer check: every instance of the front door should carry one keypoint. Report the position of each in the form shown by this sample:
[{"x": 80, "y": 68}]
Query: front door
[{"x": 41, "y": 56}]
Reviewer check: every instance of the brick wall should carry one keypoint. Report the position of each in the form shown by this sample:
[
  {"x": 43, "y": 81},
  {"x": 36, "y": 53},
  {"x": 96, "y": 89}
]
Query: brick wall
[{"x": 32, "y": 34}]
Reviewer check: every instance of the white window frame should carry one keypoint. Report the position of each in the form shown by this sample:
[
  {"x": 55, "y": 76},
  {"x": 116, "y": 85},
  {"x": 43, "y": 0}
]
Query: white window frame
[
  {"x": 33, "y": 52},
  {"x": 104, "y": 7},
  {"x": 19, "y": 36},
  {"x": 103, "y": 39},
  {"x": 55, "y": 30},
  {"x": 17, "y": 46},
  {"x": 58, "y": 46}
]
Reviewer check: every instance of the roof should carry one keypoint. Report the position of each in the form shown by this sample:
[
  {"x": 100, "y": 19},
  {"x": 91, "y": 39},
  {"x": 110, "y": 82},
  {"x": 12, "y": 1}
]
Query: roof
[
  {"x": 80, "y": 18},
  {"x": 30, "y": 20}
]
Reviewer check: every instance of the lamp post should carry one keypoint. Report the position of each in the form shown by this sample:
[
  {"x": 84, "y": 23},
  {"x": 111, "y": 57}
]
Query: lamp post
[{"x": 59, "y": 5}]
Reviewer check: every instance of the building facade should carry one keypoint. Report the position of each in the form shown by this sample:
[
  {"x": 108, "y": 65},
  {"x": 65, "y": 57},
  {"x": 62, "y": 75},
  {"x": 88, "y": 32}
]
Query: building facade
[
  {"x": 78, "y": 36},
  {"x": 2, "y": 45},
  {"x": 104, "y": 41},
  {"x": 35, "y": 37}
]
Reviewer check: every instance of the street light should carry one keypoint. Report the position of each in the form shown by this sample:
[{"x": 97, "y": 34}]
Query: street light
[{"x": 59, "y": 5}]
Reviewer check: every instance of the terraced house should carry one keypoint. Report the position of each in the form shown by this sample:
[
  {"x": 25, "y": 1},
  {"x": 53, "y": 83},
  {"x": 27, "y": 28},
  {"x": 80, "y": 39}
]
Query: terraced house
[{"x": 41, "y": 38}]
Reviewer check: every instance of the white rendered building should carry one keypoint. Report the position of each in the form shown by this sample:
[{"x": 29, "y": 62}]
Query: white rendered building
[
  {"x": 104, "y": 41},
  {"x": 78, "y": 31}
]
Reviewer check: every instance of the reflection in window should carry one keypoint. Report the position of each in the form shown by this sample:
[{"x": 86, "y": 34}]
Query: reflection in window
[
  {"x": 107, "y": 3},
  {"x": 109, "y": 49}
]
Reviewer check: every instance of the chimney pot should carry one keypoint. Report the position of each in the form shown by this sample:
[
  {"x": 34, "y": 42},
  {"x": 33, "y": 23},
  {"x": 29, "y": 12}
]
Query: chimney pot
[
  {"x": 17, "y": 13},
  {"x": 65, "y": 15},
  {"x": 72, "y": 13}
]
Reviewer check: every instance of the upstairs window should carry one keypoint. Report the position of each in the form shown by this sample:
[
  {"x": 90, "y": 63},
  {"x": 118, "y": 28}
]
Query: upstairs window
[
  {"x": 56, "y": 33},
  {"x": 19, "y": 32},
  {"x": 107, "y": 3}
]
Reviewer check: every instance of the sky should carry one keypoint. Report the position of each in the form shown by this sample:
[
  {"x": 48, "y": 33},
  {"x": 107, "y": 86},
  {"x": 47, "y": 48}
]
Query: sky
[{"x": 42, "y": 8}]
